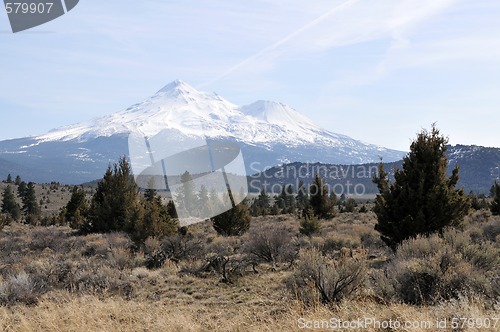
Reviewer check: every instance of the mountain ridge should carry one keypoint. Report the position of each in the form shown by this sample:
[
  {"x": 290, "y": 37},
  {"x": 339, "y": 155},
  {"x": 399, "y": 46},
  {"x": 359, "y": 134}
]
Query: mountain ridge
[{"x": 179, "y": 106}]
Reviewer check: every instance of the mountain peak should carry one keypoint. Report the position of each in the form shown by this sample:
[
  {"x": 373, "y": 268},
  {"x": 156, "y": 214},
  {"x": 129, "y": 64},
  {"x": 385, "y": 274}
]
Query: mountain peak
[
  {"x": 277, "y": 113},
  {"x": 177, "y": 86}
]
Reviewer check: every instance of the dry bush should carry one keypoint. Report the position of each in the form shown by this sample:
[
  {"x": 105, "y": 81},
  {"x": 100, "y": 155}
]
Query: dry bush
[
  {"x": 95, "y": 245},
  {"x": 318, "y": 278},
  {"x": 478, "y": 217},
  {"x": 334, "y": 242},
  {"x": 230, "y": 268},
  {"x": 182, "y": 247},
  {"x": 225, "y": 246},
  {"x": 175, "y": 248},
  {"x": 491, "y": 230},
  {"x": 119, "y": 240},
  {"x": 120, "y": 258},
  {"x": 19, "y": 289},
  {"x": 272, "y": 244},
  {"x": 91, "y": 278},
  {"x": 427, "y": 270},
  {"x": 47, "y": 237},
  {"x": 5, "y": 220}
]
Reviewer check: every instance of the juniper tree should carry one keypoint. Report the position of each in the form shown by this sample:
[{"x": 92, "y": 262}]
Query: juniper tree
[
  {"x": 281, "y": 199},
  {"x": 235, "y": 221},
  {"x": 75, "y": 212},
  {"x": 150, "y": 194},
  {"x": 9, "y": 204},
  {"x": 349, "y": 205},
  {"x": 21, "y": 189},
  {"x": 31, "y": 208},
  {"x": 302, "y": 197},
  {"x": 495, "y": 205},
  {"x": 286, "y": 199},
  {"x": 319, "y": 199},
  {"x": 309, "y": 224},
  {"x": 214, "y": 200},
  {"x": 154, "y": 220},
  {"x": 115, "y": 204},
  {"x": 172, "y": 212},
  {"x": 186, "y": 195},
  {"x": 262, "y": 205},
  {"x": 290, "y": 198},
  {"x": 423, "y": 199},
  {"x": 204, "y": 201}
]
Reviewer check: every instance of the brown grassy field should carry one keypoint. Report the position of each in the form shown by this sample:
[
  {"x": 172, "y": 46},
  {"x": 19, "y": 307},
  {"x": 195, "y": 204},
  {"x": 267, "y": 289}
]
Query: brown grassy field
[{"x": 52, "y": 279}]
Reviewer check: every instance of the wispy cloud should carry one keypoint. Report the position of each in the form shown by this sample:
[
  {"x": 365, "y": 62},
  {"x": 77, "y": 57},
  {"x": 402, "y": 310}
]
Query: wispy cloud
[{"x": 347, "y": 23}]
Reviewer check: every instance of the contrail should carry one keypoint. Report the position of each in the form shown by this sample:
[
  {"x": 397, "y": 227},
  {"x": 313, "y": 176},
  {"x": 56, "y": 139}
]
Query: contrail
[{"x": 292, "y": 35}]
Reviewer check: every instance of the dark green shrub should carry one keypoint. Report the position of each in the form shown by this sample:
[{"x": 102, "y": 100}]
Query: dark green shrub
[
  {"x": 309, "y": 224},
  {"x": 423, "y": 198},
  {"x": 233, "y": 222}
]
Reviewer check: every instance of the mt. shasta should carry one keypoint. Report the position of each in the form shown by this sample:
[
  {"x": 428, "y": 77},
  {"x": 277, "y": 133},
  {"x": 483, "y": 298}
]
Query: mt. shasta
[{"x": 268, "y": 132}]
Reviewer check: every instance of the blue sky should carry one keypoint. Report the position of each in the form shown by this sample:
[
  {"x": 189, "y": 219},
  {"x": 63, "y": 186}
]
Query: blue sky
[{"x": 378, "y": 71}]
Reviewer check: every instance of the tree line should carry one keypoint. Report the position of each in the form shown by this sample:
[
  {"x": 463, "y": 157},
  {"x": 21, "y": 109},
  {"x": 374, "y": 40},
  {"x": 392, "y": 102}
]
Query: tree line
[{"x": 422, "y": 199}]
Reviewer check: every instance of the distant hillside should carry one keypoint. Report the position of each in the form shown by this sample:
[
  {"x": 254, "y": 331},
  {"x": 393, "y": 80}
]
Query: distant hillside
[{"x": 479, "y": 168}]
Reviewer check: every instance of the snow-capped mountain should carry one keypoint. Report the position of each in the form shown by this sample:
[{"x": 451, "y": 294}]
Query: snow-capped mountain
[
  {"x": 181, "y": 107},
  {"x": 268, "y": 132}
]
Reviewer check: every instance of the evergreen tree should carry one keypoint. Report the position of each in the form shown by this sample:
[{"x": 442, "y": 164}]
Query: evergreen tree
[
  {"x": 233, "y": 222},
  {"x": 349, "y": 205},
  {"x": 76, "y": 210},
  {"x": 154, "y": 220},
  {"x": 281, "y": 199},
  {"x": 17, "y": 181},
  {"x": 309, "y": 224},
  {"x": 9, "y": 204},
  {"x": 31, "y": 208},
  {"x": 290, "y": 199},
  {"x": 9, "y": 179},
  {"x": 302, "y": 196},
  {"x": 204, "y": 202},
  {"x": 342, "y": 198},
  {"x": 21, "y": 189},
  {"x": 172, "y": 212},
  {"x": 286, "y": 200},
  {"x": 423, "y": 199},
  {"x": 215, "y": 202},
  {"x": 495, "y": 205},
  {"x": 262, "y": 205},
  {"x": 275, "y": 209},
  {"x": 150, "y": 194},
  {"x": 319, "y": 199},
  {"x": 478, "y": 202},
  {"x": 186, "y": 194},
  {"x": 115, "y": 205}
]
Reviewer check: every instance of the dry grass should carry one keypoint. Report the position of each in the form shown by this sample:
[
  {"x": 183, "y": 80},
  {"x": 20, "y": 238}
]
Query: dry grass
[
  {"x": 61, "y": 312},
  {"x": 95, "y": 283}
]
